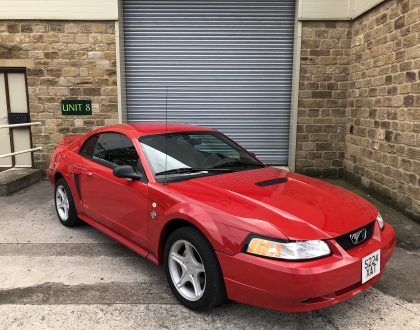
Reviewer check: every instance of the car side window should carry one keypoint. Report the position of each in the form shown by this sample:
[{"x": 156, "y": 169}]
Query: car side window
[
  {"x": 89, "y": 146},
  {"x": 112, "y": 149}
]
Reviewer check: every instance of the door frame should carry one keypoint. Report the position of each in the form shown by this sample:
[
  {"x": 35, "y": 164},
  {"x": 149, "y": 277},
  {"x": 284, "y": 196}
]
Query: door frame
[{"x": 6, "y": 71}]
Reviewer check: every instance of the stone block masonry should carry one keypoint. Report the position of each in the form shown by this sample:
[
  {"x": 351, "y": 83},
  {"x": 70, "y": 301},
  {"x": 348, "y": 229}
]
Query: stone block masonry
[
  {"x": 359, "y": 93},
  {"x": 359, "y": 102},
  {"x": 382, "y": 144},
  {"x": 71, "y": 60},
  {"x": 324, "y": 74}
]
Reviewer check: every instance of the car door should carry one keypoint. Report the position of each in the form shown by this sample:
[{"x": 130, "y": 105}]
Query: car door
[{"x": 119, "y": 204}]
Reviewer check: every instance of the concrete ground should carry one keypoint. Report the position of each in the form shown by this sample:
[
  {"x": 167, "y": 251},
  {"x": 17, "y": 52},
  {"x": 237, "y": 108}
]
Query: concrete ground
[{"x": 55, "y": 277}]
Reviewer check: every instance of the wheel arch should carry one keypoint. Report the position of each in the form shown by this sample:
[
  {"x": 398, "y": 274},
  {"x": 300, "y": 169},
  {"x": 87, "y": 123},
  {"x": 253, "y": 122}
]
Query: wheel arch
[
  {"x": 223, "y": 238},
  {"x": 73, "y": 186},
  {"x": 58, "y": 176},
  {"x": 169, "y": 228}
]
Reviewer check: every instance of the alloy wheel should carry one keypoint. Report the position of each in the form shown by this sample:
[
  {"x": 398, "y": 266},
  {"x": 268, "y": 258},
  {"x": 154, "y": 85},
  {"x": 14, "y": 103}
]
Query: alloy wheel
[
  {"x": 187, "y": 270},
  {"x": 62, "y": 203}
]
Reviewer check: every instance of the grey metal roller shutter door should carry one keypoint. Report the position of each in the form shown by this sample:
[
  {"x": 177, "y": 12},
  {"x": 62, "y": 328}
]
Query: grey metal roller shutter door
[{"x": 227, "y": 65}]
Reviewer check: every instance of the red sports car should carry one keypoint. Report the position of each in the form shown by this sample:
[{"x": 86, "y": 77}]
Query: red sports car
[{"x": 223, "y": 224}]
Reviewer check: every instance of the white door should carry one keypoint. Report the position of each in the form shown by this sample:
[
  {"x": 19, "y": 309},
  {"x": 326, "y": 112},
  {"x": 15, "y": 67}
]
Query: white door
[
  {"x": 19, "y": 104},
  {"x": 4, "y": 132},
  {"x": 14, "y": 99}
]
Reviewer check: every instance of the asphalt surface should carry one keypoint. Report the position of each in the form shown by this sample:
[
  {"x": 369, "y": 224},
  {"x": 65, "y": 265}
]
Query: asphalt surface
[{"x": 53, "y": 277}]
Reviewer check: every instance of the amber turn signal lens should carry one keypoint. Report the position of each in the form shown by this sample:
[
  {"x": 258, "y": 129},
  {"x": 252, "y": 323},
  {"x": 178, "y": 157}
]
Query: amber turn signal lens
[
  {"x": 298, "y": 250},
  {"x": 264, "y": 247},
  {"x": 380, "y": 221}
]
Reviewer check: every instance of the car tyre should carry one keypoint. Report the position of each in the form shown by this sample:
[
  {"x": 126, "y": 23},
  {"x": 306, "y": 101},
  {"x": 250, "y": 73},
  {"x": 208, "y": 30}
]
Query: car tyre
[
  {"x": 64, "y": 204},
  {"x": 192, "y": 270}
]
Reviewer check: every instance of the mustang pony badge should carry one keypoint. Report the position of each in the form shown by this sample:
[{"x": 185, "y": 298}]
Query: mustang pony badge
[{"x": 358, "y": 236}]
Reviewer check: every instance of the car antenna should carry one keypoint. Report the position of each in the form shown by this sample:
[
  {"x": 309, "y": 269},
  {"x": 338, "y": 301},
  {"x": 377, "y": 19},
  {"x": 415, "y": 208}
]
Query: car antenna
[{"x": 165, "y": 181}]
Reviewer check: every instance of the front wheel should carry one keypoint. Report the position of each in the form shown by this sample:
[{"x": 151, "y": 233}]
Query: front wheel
[{"x": 192, "y": 270}]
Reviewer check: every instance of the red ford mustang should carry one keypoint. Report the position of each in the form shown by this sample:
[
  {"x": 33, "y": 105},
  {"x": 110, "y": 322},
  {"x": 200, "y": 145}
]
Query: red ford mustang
[{"x": 222, "y": 223}]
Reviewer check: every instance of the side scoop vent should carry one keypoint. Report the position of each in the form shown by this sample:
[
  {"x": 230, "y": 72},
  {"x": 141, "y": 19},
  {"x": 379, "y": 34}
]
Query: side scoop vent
[{"x": 271, "y": 182}]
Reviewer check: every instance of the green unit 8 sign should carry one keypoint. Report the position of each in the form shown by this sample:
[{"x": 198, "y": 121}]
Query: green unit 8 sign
[{"x": 76, "y": 107}]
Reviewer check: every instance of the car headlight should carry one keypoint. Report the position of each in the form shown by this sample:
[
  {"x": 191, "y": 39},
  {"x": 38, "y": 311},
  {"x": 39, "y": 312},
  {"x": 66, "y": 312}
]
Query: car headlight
[
  {"x": 380, "y": 221},
  {"x": 287, "y": 250}
]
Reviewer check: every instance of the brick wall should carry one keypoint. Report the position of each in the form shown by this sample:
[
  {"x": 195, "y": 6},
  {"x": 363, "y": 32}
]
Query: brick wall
[
  {"x": 323, "y": 98},
  {"x": 70, "y": 60},
  {"x": 382, "y": 144}
]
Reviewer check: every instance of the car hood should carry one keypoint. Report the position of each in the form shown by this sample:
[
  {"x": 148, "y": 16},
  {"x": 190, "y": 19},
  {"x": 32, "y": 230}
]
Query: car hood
[{"x": 301, "y": 208}]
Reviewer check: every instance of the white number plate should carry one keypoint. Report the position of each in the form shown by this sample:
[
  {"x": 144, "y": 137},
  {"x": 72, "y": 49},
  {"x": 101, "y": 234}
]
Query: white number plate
[{"x": 371, "y": 266}]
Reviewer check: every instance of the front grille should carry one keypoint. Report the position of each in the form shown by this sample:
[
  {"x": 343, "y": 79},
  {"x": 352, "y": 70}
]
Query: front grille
[{"x": 345, "y": 241}]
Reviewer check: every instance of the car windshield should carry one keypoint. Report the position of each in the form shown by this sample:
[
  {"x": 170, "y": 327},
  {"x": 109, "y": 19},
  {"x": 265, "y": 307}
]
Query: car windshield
[{"x": 187, "y": 154}]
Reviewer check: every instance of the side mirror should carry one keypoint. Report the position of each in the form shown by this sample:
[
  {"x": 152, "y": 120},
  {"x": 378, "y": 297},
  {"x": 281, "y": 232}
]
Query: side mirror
[{"x": 126, "y": 172}]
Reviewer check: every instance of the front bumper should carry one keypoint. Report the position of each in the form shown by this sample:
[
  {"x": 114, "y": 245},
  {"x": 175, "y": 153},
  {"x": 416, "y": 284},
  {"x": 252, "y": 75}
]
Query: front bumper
[{"x": 304, "y": 286}]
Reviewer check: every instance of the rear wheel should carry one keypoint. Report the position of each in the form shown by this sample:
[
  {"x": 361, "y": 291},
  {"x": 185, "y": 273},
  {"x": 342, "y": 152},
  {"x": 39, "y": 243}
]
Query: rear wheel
[
  {"x": 64, "y": 204},
  {"x": 192, "y": 270}
]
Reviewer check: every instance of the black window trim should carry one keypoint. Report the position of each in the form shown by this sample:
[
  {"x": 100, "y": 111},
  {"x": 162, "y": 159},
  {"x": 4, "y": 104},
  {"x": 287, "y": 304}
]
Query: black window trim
[{"x": 106, "y": 163}]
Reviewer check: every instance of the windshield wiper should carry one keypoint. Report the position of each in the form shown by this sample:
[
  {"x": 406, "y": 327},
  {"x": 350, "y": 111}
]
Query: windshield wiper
[
  {"x": 186, "y": 170},
  {"x": 237, "y": 163}
]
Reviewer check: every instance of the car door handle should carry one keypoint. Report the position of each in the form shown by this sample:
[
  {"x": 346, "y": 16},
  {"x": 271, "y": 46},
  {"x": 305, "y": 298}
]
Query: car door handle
[
  {"x": 87, "y": 172},
  {"x": 78, "y": 169}
]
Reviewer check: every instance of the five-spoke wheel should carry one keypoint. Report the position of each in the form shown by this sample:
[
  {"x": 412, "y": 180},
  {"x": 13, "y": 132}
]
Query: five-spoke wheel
[
  {"x": 187, "y": 270},
  {"x": 64, "y": 204},
  {"x": 192, "y": 269}
]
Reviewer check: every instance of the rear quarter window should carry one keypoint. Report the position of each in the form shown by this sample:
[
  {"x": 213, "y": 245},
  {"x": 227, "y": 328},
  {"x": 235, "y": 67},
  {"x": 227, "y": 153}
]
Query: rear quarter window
[{"x": 89, "y": 146}]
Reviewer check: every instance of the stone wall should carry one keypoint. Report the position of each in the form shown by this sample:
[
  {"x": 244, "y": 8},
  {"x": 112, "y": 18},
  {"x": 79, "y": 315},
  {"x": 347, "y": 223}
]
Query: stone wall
[
  {"x": 359, "y": 98},
  {"x": 359, "y": 102},
  {"x": 69, "y": 60},
  {"x": 323, "y": 98},
  {"x": 382, "y": 144}
]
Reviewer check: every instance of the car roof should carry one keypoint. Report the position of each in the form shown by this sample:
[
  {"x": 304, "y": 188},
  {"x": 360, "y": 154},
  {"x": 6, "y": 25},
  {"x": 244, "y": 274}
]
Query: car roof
[{"x": 162, "y": 127}]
